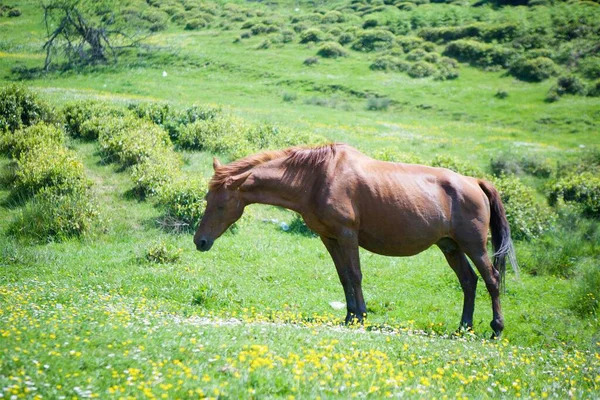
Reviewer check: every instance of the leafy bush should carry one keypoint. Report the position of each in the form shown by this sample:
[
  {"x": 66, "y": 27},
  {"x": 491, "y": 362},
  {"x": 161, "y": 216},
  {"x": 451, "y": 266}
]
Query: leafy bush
[
  {"x": 594, "y": 89},
  {"x": 501, "y": 94},
  {"x": 345, "y": 38},
  {"x": 389, "y": 63},
  {"x": 585, "y": 300},
  {"x": 182, "y": 203},
  {"x": 590, "y": 67},
  {"x": 50, "y": 166},
  {"x": 526, "y": 217},
  {"x": 289, "y": 97},
  {"x": 416, "y": 55},
  {"x": 312, "y": 35},
  {"x": 571, "y": 84},
  {"x": 409, "y": 43},
  {"x": 511, "y": 164},
  {"x": 20, "y": 107},
  {"x": 456, "y": 165},
  {"x": 54, "y": 215},
  {"x": 78, "y": 113},
  {"x": 393, "y": 155},
  {"x": 447, "y": 69},
  {"x": 332, "y": 50},
  {"x": 450, "y": 33},
  {"x": 195, "y": 23},
  {"x": 374, "y": 40},
  {"x": 534, "y": 70},
  {"x": 311, "y": 61},
  {"x": 378, "y": 103},
  {"x": 163, "y": 253},
  {"x": 131, "y": 141},
  {"x": 480, "y": 54},
  {"x": 580, "y": 189},
  {"x": 333, "y": 17},
  {"x": 211, "y": 134},
  {"x": 23, "y": 140},
  {"x": 152, "y": 174},
  {"x": 421, "y": 69}
]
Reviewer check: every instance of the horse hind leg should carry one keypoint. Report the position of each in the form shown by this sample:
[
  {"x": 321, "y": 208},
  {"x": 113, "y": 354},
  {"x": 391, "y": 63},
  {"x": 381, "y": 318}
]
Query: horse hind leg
[
  {"x": 466, "y": 276},
  {"x": 491, "y": 278}
]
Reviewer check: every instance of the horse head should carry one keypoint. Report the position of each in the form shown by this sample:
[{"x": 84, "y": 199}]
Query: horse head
[{"x": 224, "y": 206}]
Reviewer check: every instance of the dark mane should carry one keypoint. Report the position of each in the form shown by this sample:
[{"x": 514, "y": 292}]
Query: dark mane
[{"x": 294, "y": 157}]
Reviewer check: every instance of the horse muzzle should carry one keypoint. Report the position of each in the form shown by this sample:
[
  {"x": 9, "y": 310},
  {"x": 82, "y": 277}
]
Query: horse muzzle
[{"x": 204, "y": 244}]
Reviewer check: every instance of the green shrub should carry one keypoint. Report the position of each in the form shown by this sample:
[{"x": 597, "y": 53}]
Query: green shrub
[
  {"x": 590, "y": 67},
  {"x": 409, "y": 43},
  {"x": 332, "y": 50},
  {"x": 53, "y": 215},
  {"x": 393, "y": 155},
  {"x": 311, "y": 61},
  {"x": 389, "y": 63},
  {"x": 456, "y": 165},
  {"x": 77, "y": 113},
  {"x": 421, "y": 69},
  {"x": 416, "y": 55},
  {"x": 511, "y": 164},
  {"x": 258, "y": 29},
  {"x": 131, "y": 141},
  {"x": 447, "y": 69},
  {"x": 162, "y": 114},
  {"x": 504, "y": 32},
  {"x": 480, "y": 54},
  {"x": 526, "y": 217},
  {"x": 450, "y": 33},
  {"x": 20, "y": 107},
  {"x": 210, "y": 134},
  {"x": 571, "y": 84},
  {"x": 501, "y": 94},
  {"x": 152, "y": 174},
  {"x": 157, "y": 19},
  {"x": 163, "y": 253},
  {"x": 345, "y": 38},
  {"x": 580, "y": 189},
  {"x": 374, "y": 40},
  {"x": 289, "y": 97},
  {"x": 25, "y": 139},
  {"x": 378, "y": 103},
  {"x": 594, "y": 89},
  {"x": 195, "y": 23},
  {"x": 333, "y": 17},
  {"x": 51, "y": 166},
  {"x": 182, "y": 203},
  {"x": 312, "y": 35},
  {"x": 585, "y": 300},
  {"x": 534, "y": 70},
  {"x": 563, "y": 250},
  {"x": 370, "y": 23}
]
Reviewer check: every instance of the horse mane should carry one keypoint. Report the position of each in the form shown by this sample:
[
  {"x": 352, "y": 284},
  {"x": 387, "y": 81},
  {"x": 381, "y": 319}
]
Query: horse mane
[{"x": 295, "y": 157}]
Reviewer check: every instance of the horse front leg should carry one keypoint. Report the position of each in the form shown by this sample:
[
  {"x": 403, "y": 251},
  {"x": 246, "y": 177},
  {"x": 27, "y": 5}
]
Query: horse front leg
[{"x": 347, "y": 264}]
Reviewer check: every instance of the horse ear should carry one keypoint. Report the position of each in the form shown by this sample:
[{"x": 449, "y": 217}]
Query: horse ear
[
  {"x": 216, "y": 163},
  {"x": 234, "y": 182}
]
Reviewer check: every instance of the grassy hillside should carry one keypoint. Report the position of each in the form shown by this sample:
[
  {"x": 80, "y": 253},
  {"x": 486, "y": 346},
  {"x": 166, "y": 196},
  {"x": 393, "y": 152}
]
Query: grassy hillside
[{"x": 104, "y": 295}]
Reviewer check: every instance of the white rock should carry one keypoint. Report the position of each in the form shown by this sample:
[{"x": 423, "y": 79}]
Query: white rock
[{"x": 337, "y": 305}]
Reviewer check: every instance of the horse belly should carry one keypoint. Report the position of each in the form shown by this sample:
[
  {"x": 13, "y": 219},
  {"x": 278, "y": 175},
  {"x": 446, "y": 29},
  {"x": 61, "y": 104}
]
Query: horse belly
[{"x": 401, "y": 233}]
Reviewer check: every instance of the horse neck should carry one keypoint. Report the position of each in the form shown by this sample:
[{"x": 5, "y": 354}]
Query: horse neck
[{"x": 278, "y": 184}]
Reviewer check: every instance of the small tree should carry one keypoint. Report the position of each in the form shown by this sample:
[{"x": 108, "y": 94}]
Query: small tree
[{"x": 90, "y": 32}]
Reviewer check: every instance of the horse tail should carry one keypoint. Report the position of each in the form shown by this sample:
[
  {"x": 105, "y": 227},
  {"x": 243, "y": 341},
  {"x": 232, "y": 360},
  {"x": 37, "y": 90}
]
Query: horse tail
[{"x": 501, "y": 240}]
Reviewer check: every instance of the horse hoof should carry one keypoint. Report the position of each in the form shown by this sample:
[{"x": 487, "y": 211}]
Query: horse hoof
[{"x": 496, "y": 335}]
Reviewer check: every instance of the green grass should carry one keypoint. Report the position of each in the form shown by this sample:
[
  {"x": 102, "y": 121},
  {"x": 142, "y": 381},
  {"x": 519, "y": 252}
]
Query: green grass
[{"x": 252, "y": 317}]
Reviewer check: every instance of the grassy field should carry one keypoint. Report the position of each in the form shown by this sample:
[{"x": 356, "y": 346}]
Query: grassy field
[{"x": 97, "y": 316}]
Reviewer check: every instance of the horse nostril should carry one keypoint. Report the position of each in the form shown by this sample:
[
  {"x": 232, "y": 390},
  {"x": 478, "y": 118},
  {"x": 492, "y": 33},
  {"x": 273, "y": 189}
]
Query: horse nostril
[{"x": 201, "y": 245}]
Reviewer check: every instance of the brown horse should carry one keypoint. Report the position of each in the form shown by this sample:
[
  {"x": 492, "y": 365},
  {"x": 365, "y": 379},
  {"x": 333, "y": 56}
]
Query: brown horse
[{"x": 352, "y": 200}]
